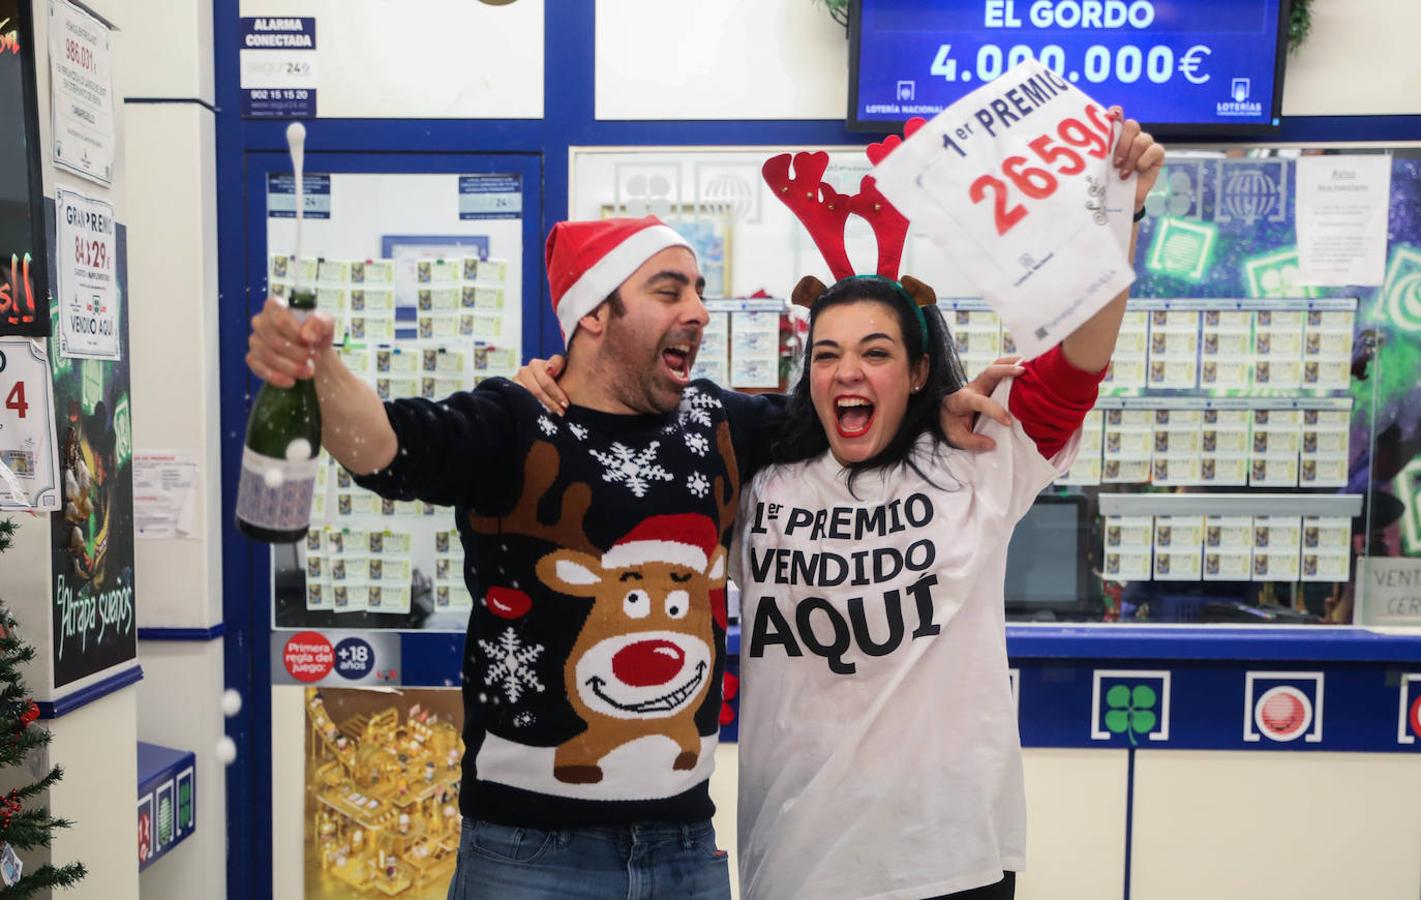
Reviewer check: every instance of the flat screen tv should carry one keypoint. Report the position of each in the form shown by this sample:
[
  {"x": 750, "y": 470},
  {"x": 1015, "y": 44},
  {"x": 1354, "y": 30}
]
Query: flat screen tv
[
  {"x": 1047, "y": 560},
  {"x": 1184, "y": 68}
]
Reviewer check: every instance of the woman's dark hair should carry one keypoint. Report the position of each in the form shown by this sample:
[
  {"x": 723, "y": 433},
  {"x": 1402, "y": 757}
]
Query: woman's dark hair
[{"x": 803, "y": 436}]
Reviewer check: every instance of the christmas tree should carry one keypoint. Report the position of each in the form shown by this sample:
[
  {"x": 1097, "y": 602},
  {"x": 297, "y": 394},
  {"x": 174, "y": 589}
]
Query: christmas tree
[{"x": 23, "y": 827}]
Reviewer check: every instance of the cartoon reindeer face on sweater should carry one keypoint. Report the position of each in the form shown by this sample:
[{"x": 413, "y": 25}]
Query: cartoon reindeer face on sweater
[
  {"x": 646, "y": 651},
  {"x": 645, "y": 657}
]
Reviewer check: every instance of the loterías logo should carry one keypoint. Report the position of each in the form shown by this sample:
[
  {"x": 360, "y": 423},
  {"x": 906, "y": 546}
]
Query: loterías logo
[{"x": 1239, "y": 104}]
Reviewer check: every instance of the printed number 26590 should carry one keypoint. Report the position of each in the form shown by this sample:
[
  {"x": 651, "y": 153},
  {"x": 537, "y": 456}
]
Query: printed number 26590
[{"x": 1036, "y": 182}]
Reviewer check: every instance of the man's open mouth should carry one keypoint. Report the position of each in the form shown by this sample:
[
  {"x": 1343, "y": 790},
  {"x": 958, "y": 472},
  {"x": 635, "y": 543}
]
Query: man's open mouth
[
  {"x": 677, "y": 359},
  {"x": 854, "y": 415},
  {"x": 664, "y": 703}
]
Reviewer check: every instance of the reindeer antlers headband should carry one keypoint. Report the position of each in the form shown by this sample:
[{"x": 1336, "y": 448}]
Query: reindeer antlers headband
[{"x": 824, "y": 212}]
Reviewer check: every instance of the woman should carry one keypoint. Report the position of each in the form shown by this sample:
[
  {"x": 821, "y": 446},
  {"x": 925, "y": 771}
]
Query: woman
[{"x": 879, "y": 754}]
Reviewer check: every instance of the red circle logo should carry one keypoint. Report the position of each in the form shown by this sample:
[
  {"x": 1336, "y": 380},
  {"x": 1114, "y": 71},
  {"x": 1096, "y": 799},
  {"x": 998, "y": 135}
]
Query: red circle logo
[
  {"x": 1415, "y": 717},
  {"x": 1283, "y": 713},
  {"x": 308, "y": 656}
]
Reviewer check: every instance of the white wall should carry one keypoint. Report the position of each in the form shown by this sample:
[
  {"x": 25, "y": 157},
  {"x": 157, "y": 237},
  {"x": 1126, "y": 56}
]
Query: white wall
[
  {"x": 786, "y": 59},
  {"x": 1359, "y": 60},
  {"x": 98, "y": 747},
  {"x": 1306, "y": 826},
  {"x": 177, "y": 708},
  {"x": 172, "y": 280},
  {"x": 731, "y": 59},
  {"x": 176, "y": 39},
  {"x": 1075, "y": 832}
]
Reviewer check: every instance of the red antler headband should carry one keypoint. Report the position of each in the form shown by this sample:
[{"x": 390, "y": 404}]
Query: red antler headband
[{"x": 823, "y": 211}]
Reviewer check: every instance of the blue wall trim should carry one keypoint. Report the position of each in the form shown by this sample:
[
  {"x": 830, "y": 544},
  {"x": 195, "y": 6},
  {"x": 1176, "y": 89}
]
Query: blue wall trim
[
  {"x": 53, "y": 709},
  {"x": 182, "y": 634},
  {"x": 1173, "y": 642},
  {"x": 1258, "y": 643}
]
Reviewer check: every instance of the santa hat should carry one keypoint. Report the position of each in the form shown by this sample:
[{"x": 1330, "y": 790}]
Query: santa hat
[
  {"x": 587, "y": 261},
  {"x": 686, "y": 539}
]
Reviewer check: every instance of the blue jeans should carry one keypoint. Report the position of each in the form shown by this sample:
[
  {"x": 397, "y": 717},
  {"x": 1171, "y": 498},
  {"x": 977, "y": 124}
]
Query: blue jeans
[{"x": 638, "y": 862}]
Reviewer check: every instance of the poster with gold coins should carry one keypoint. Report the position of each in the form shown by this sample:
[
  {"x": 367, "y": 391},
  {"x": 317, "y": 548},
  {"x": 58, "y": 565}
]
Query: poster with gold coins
[{"x": 382, "y": 792}]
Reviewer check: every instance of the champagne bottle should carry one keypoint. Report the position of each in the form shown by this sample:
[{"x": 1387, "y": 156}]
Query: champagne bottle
[{"x": 279, "y": 464}]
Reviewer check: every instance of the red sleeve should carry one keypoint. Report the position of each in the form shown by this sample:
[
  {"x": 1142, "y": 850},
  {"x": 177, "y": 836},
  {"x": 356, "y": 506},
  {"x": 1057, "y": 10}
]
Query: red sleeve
[{"x": 1051, "y": 399}]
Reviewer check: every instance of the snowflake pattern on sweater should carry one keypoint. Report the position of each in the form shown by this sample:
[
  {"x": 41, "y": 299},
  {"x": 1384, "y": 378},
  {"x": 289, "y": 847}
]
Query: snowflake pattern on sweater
[
  {"x": 510, "y": 665},
  {"x": 636, "y": 469}
]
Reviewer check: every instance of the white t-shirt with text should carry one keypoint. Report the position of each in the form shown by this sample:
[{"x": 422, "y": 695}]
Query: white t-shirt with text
[{"x": 879, "y": 754}]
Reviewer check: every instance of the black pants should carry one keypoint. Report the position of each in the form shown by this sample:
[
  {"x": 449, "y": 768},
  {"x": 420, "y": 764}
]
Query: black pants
[{"x": 1002, "y": 890}]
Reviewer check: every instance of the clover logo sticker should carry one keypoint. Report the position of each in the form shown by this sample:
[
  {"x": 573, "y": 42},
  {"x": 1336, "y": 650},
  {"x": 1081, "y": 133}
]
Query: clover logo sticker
[
  {"x": 1130, "y": 702},
  {"x": 1131, "y": 710}
]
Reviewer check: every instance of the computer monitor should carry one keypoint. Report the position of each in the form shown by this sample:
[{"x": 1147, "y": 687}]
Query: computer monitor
[{"x": 1047, "y": 561}]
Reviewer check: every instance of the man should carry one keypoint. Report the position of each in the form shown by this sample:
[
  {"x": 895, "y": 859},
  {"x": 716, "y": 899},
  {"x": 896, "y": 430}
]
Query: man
[{"x": 595, "y": 543}]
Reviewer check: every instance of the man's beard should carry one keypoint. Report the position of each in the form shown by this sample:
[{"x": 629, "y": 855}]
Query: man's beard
[{"x": 638, "y": 381}]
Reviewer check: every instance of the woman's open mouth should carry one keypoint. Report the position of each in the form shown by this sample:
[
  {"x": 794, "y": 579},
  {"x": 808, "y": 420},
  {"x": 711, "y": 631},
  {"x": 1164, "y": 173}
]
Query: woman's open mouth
[
  {"x": 854, "y": 416},
  {"x": 677, "y": 359}
]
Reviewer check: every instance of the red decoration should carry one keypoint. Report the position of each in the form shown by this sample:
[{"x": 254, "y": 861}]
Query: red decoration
[
  {"x": 508, "y": 603},
  {"x": 10, "y": 808},
  {"x": 29, "y": 715},
  {"x": 730, "y": 687},
  {"x": 718, "y": 607},
  {"x": 890, "y": 227},
  {"x": 824, "y": 211}
]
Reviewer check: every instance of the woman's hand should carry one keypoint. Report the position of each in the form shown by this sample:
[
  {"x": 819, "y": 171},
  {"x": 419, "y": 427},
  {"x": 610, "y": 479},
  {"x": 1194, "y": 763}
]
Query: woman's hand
[
  {"x": 1137, "y": 152},
  {"x": 281, "y": 349},
  {"x": 960, "y": 408},
  {"x": 540, "y": 377}
]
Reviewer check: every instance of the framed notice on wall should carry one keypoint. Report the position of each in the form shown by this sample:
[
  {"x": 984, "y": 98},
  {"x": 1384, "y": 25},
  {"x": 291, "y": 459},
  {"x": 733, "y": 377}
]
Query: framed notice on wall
[
  {"x": 81, "y": 92},
  {"x": 24, "y": 288}
]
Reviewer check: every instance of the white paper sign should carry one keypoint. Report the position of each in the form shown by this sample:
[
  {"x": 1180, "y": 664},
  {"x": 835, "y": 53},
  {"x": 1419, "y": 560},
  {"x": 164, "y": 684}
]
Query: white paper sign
[
  {"x": 28, "y": 456},
  {"x": 88, "y": 283},
  {"x": 1389, "y": 591},
  {"x": 1342, "y": 206},
  {"x": 81, "y": 92},
  {"x": 1015, "y": 181},
  {"x": 165, "y": 494}
]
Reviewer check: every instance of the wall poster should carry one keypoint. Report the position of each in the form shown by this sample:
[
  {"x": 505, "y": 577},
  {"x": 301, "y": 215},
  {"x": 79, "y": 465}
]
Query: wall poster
[{"x": 92, "y": 535}]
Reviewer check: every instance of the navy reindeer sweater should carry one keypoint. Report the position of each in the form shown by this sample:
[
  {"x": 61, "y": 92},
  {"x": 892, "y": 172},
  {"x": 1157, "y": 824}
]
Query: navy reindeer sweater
[{"x": 595, "y": 548}]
